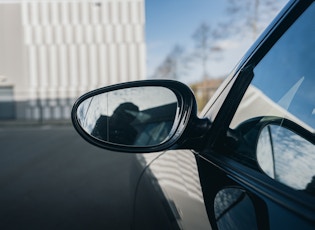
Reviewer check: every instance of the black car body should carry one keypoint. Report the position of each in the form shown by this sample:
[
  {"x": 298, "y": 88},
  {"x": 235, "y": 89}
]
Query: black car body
[{"x": 249, "y": 161}]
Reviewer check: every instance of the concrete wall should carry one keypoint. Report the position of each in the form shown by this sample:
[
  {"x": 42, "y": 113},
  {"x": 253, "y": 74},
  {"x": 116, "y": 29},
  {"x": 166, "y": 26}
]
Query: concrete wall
[{"x": 53, "y": 51}]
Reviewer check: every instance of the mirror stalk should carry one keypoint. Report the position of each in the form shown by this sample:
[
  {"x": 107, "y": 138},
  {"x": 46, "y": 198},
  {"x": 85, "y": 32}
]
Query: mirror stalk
[{"x": 199, "y": 128}]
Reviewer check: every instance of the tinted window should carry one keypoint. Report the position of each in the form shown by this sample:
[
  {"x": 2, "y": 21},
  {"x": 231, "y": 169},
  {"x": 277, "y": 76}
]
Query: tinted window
[
  {"x": 284, "y": 81},
  {"x": 284, "y": 87},
  {"x": 234, "y": 210}
]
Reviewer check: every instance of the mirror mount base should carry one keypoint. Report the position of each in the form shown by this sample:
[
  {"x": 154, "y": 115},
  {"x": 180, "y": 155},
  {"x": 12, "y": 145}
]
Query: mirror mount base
[{"x": 199, "y": 127}]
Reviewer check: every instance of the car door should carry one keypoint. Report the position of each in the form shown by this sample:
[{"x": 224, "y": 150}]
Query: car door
[
  {"x": 169, "y": 194},
  {"x": 257, "y": 169}
]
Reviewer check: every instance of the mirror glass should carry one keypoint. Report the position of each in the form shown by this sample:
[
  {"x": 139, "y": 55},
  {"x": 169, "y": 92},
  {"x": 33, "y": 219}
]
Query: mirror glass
[
  {"x": 287, "y": 157},
  {"x": 234, "y": 210},
  {"x": 138, "y": 116}
]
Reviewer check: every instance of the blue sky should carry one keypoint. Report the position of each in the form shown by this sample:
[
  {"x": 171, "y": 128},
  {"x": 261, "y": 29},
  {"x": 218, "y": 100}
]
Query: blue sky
[
  {"x": 176, "y": 20},
  {"x": 171, "y": 22}
]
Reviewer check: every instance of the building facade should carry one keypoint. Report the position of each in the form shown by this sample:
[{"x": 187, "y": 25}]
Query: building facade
[{"x": 53, "y": 51}]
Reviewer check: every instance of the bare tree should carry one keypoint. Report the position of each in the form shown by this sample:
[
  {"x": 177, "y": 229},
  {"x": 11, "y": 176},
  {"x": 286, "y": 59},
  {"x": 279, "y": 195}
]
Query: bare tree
[
  {"x": 171, "y": 67},
  {"x": 249, "y": 16},
  {"x": 206, "y": 46}
]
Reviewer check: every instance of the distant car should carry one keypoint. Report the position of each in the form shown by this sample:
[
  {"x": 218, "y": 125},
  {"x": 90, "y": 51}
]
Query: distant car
[{"x": 247, "y": 162}]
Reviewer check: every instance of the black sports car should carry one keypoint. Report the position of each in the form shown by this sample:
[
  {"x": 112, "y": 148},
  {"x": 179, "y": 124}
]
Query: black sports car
[{"x": 248, "y": 160}]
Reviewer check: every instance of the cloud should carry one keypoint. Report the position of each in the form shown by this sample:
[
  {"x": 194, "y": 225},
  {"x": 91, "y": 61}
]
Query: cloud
[{"x": 229, "y": 43}]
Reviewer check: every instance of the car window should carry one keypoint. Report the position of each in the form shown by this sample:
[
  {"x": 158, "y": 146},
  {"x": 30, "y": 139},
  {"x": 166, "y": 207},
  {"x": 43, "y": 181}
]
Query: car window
[
  {"x": 283, "y": 90},
  {"x": 234, "y": 209}
]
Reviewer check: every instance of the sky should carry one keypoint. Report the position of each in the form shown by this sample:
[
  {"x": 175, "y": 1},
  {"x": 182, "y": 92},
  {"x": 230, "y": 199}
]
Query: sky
[{"x": 173, "y": 22}]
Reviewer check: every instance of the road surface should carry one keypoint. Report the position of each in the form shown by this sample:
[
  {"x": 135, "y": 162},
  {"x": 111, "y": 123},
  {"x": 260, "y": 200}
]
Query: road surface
[{"x": 50, "y": 178}]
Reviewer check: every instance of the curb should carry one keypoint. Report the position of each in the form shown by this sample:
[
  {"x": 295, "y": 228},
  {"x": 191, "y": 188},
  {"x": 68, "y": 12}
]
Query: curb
[{"x": 21, "y": 123}]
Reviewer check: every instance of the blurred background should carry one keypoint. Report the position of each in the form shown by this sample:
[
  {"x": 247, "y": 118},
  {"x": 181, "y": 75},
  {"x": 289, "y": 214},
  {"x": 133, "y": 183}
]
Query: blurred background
[{"x": 52, "y": 51}]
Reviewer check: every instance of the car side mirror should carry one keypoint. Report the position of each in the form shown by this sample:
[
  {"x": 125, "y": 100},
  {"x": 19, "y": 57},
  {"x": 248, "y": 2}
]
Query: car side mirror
[
  {"x": 285, "y": 152},
  {"x": 122, "y": 116},
  {"x": 143, "y": 116}
]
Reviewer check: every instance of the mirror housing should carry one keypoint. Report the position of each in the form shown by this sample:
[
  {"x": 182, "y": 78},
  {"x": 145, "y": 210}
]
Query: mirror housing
[{"x": 169, "y": 102}]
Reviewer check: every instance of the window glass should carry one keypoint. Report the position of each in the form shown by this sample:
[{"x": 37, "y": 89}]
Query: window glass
[
  {"x": 282, "y": 92},
  {"x": 234, "y": 210},
  {"x": 284, "y": 82}
]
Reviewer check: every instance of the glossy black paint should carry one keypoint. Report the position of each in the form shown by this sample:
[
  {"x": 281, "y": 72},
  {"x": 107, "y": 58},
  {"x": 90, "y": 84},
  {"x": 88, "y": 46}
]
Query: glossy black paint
[{"x": 208, "y": 186}]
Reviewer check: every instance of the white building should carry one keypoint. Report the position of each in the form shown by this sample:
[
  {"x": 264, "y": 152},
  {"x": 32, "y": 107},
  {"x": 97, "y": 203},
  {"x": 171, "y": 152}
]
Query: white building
[{"x": 53, "y": 51}]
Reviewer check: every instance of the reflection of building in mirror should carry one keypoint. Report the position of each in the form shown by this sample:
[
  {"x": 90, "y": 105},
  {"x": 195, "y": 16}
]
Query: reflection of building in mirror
[
  {"x": 152, "y": 119},
  {"x": 118, "y": 127},
  {"x": 129, "y": 126},
  {"x": 155, "y": 96},
  {"x": 157, "y": 126}
]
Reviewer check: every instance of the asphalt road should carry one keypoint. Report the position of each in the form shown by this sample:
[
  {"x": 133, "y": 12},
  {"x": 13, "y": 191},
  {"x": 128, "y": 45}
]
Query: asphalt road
[{"x": 50, "y": 178}]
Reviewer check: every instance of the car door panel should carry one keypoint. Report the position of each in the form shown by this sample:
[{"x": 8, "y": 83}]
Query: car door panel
[
  {"x": 174, "y": 185},
  {"x": 272, "y": 207}
]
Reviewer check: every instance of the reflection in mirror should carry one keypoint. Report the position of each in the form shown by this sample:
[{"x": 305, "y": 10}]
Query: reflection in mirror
[
  {"x": 287, "y": 157},
  {"x": 139, "y": 116},
  {"x": 234, "y": 210}
]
